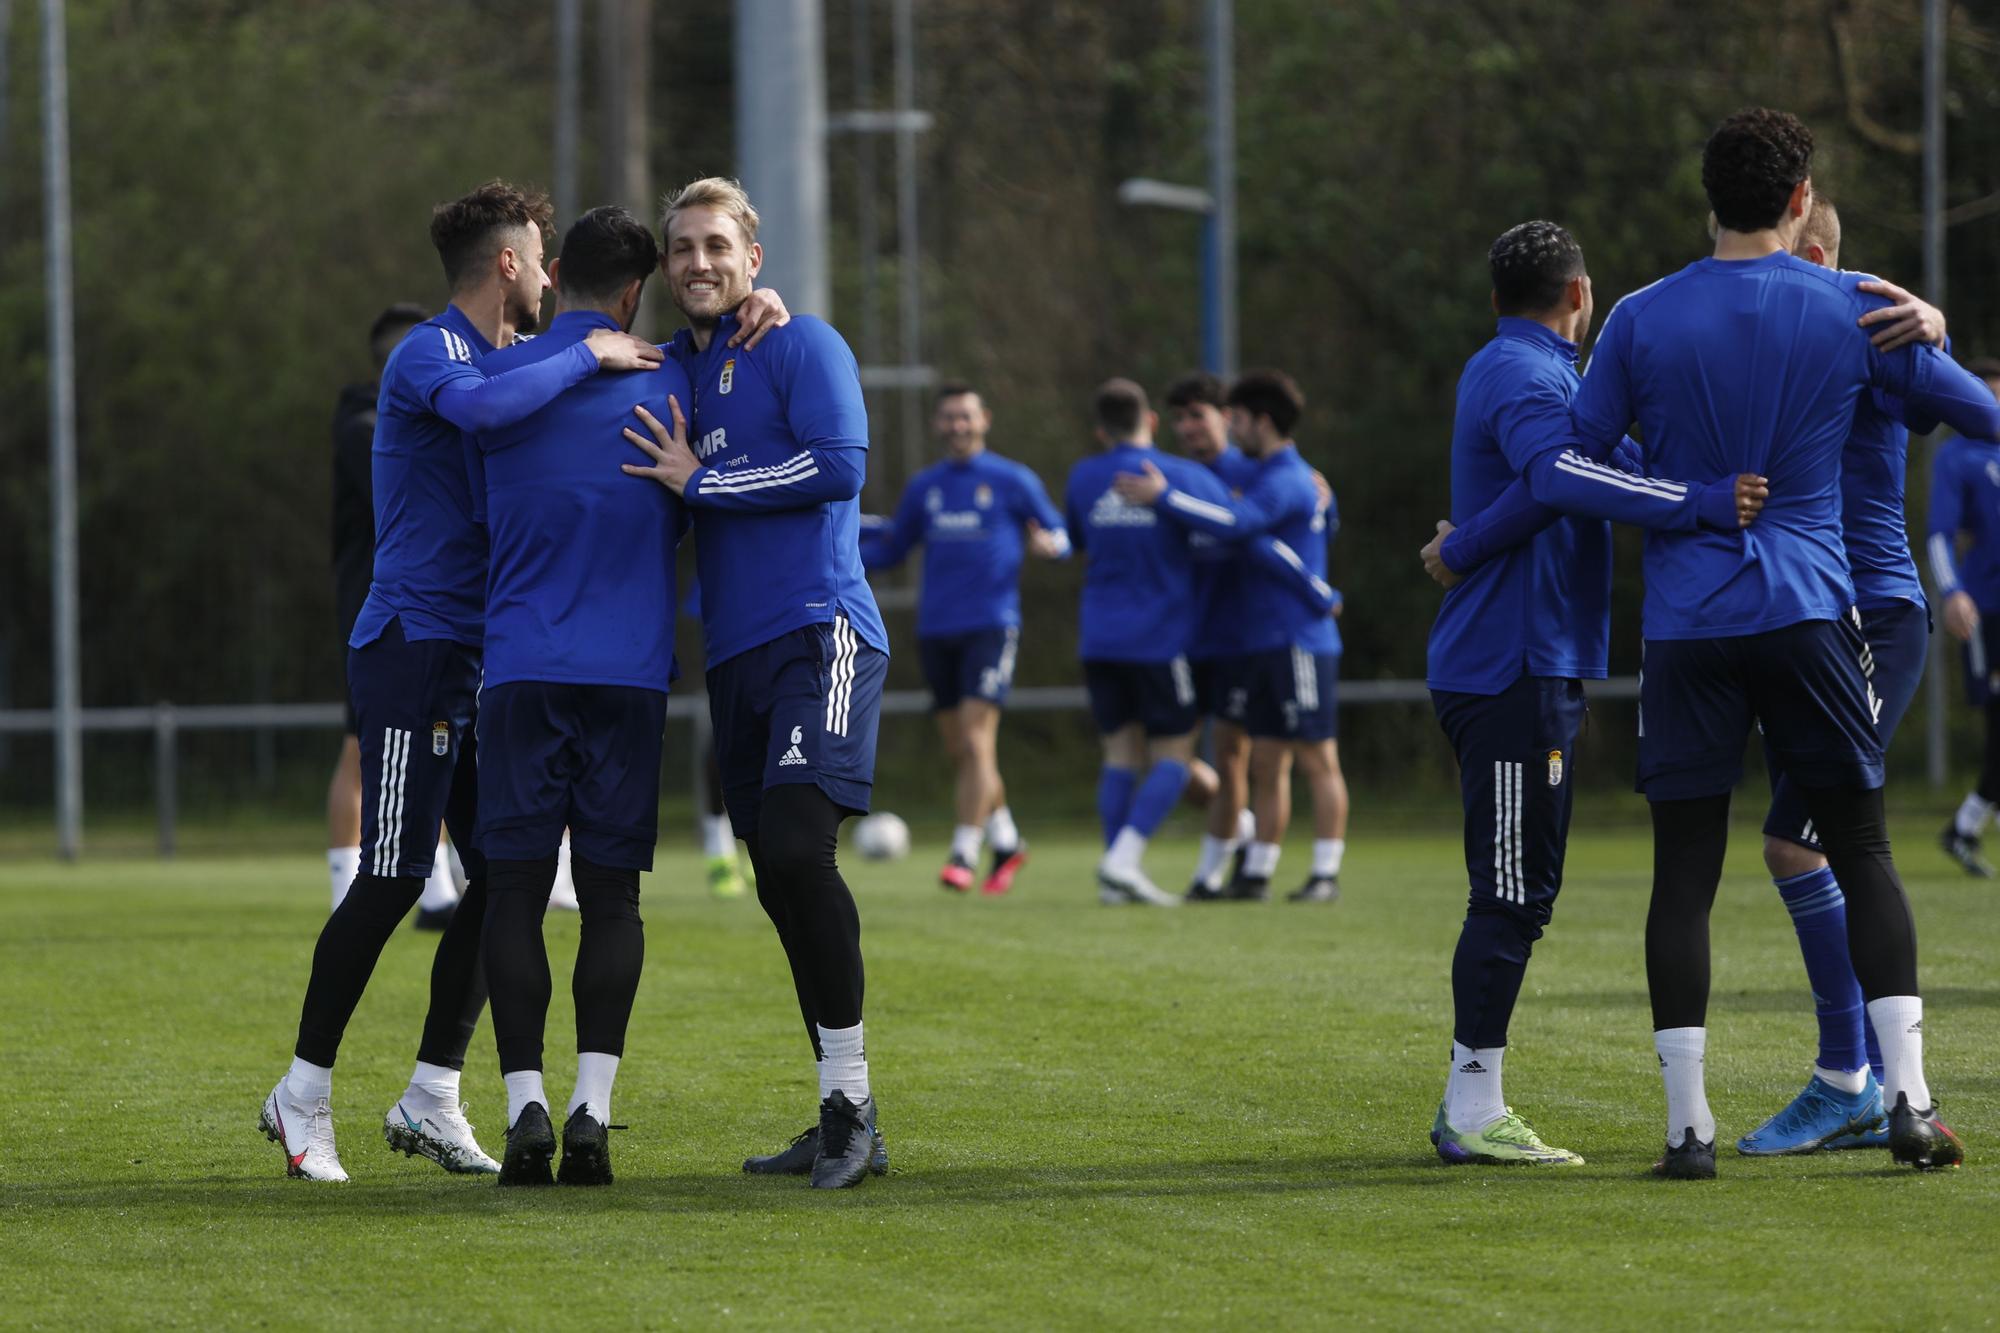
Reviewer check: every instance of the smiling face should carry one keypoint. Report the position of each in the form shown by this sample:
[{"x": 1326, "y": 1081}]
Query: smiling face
[
  {"x": 960, "y": 423},
  {"x": 1201, "y": 429},
  {"x": 709, "y": 263}
]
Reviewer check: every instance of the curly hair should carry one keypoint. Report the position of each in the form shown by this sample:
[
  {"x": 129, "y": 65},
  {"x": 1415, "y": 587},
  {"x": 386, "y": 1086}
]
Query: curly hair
[
  {"x": 1195, "y": 388},
  {"x": 1269, "y": 393},
  {"x": 1531, "y": 264},
  {"x": 1751, "y": 165},
  {"x": 467, "y": 231}
]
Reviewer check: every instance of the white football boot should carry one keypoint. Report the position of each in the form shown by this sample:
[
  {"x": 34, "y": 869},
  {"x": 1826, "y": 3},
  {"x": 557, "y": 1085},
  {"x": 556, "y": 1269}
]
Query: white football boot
[
  {"x": 305, "y": 1131},
  {"x": 417, "y": 1126}
]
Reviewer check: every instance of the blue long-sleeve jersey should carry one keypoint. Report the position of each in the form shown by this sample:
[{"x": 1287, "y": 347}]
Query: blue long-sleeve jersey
[
  {"x": 1220, "y": 570},
  {"x": 1279, "y": 500},
  {"x": 430, "y": 540},
  {"x": 1965, "y": 499},
  {"x": 1872, "y": 523},
  {"x": 1541, "y": 608},
  {"x": 1756, "y": 366},
  {"x": 782, "y": 434},
  {"x": 968, "y": 516},
  {"x": 580, "y": 584}
]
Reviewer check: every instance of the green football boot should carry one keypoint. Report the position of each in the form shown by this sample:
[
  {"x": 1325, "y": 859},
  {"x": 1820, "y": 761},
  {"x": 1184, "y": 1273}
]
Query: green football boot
[{"x": 1507, "y": 1141}]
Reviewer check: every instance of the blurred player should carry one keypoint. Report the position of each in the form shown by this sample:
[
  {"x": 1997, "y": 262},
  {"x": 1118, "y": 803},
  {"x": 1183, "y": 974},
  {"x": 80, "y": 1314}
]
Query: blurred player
[
  {"x": 975, "y": 514},
  {"x": 1844, "y": 1088},
  {"x": 579, "y": 656},
  {"x": 797, "y": 655},
  {"x": 1965, "y": 503},
  {"x": 1289, "y": 671},
  {"x": 413, "y": 674}
]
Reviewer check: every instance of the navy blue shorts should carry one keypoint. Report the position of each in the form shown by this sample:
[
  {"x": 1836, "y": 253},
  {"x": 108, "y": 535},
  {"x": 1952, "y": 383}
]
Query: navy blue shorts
[
  {"x": 1807, "y": 685},
  {"x": 1515, "y": 752},
  {"x": 580, "y": 757},
  {"x": 1899, "y": 637},
  {"x": 1219, "y": 691},
  {"x": 1157, "y": 695},
  {"x": 414, "y": 705},
  {"x": 801, "y": 708},
  {"x": 1982, "y": 662},
  {"x": 1290, "y": 694},
  {"x": 978, "y": 664}
]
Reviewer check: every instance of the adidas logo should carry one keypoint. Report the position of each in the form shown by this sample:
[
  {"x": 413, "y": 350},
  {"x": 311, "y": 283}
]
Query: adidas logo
[
  {"x": 792, "y": 757},
  {"x": 1472, "y": 1067},
  {"x": 1916, "y": 1029}
]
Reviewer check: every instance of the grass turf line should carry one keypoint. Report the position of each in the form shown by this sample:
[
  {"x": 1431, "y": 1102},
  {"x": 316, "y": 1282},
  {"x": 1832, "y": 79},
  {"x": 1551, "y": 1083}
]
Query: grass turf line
[{"x": 1097, "y": 1116}]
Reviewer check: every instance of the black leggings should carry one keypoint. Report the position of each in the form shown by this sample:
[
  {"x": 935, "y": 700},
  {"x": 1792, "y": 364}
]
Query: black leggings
[
  {"x": 799, "y": 885},
  {"x": 610, "y": 956},
  {"x": 352, "y": 941},
  {"x": 1989, "y": 764},
  {"x": 1689, "y": 839}
]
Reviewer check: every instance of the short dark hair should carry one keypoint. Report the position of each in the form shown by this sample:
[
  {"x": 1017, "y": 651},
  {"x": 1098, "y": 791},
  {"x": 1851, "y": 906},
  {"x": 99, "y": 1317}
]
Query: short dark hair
[
  {"x": 1532, "y": 263},
  {"x": 395, "y": 319},
  {"x": 1983, "y": 367},
  {"x": 952, "y": 389},
  {"x": 467, "y": 230},
  {"x": 603, "y": 251},
  {"x": 1119, "y": 405},
  {"x": 1269, "y": 393},
  {"x": 1751, "y": 165},
  {"x": 1194, "y": 388}
]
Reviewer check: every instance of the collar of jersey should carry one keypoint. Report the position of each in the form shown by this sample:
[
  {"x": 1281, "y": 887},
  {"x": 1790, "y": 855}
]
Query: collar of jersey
[
  {"x": 460, "y": 324},
  {"x": 1513, "y": 326},
  {"x": 577, "y": 324}
]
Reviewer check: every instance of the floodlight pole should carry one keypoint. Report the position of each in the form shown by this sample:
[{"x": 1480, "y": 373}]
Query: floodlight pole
[
  {"x": 67, "y": 686},
  {"x": 569, "y": 59},
  {"x": 781, "y": 143},
  {"x": 1934, "y": 33},
  {"x": 1218, "y": 268}
]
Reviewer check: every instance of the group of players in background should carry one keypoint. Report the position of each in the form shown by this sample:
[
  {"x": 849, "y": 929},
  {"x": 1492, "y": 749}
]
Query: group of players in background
[{"x": 509, "y": 666}]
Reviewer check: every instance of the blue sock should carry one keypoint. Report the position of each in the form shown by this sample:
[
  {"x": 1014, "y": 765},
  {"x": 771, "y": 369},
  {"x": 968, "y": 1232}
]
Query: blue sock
[
  {"x": 1158, "y": 795},
  {"x": 1114, "y": 798},
  {"x": 1819, "y": 915}
]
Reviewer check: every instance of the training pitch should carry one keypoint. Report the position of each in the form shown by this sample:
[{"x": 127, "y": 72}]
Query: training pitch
[{"x": 1097, "y": 1117}]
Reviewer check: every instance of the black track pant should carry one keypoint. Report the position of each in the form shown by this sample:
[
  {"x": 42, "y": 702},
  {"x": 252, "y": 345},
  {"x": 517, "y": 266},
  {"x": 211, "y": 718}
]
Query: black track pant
[
  {"x": 610, "y": 955},
  {"x": 1989, "y": 764},
  {"x": 1689, "y": 839},
  {"x": 351, "y": 942},
  {"x": 799, "y": 885}
]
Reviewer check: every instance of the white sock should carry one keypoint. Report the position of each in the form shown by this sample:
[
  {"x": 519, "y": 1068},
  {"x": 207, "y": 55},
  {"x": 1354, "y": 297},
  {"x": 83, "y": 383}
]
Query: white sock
[
  {"x": 437, "y": 1082},
  {"x": 342, "y": 865},
  {"x": 523, "y": 1086},
  {"x": 1327, "y": 854},
  {"x": 1000, "y": 829},
  {"x": 562, "y": 893},
  {"x": 1472, "y": 1099},
  {"x": 718, "y": 839},
  {"x": 594, "y": 1072},
  {"x": 1246, "y": 827},
  {"x": 1899, "y": 1027},
  {"x": 1681, "y": 1053},
  {"x": 1849, "y": 1081},
  {"x": 965, "y": 840},
  {"x": 1973, "y": 813},
  {"x": 1215, "y": 853},
  {"x": 308, "y": 1082},
  {"x": 845, "y": 1068},
  {"x": 1126, "y": 850},
  {"x": 1261, "y": 861},
  {"x": 439, "y": 890}
]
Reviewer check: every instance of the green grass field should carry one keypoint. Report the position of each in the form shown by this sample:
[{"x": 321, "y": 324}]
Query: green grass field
[{"x": 1098, "y": 1117}]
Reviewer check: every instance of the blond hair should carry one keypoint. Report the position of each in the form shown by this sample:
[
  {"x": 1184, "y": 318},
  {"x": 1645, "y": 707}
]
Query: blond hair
[
  {"x": 720, "y": 193},
  {"x": 1822, "y": 228}
]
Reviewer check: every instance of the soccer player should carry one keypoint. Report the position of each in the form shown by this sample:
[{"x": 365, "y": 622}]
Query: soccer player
[
  {"x": 1197, "y": 411},
  {"x": 579, "y": 655},
  {"x": 1751, "y": 360},
  {"x": 1965, "y": 502},
  {"x": 975, "y": 514},
  {"x": 413, "y": 674},
  {"x": 796, "y": 650},
  {"x": 1844, "y": 1089},
  {"x": 1290, "y": 666}
]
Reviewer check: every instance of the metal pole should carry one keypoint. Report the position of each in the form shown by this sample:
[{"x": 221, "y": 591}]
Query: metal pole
[
  {"x": 781, "y": 143},
  {"x": 166, "y": 796},
  {"x": 68, "y": 689},
  {"x": 861, "y": 47},
  {"x": 1219, "y": 231},
  {"x": 1934, "y": 30},
  {"x": 569, "y": 56},
  {"x": 911, "y": 296}
]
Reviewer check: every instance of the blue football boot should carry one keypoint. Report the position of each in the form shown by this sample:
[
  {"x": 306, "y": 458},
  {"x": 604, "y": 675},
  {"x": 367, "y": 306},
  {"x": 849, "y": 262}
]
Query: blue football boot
[{"x": 1815, "y": 1118}]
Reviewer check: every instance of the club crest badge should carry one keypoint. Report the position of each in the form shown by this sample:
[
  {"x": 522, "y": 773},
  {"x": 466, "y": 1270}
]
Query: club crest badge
[
  {"x": 983, "y": 497},
  {"x": 1555, "y": 768},
  {"x": 728, "y": 376},
  {"x": 440, "y": 738}
]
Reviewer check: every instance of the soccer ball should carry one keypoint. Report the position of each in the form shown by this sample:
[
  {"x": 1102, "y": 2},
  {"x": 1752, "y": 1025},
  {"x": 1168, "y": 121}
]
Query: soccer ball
[{"x": 882, "y": 837}]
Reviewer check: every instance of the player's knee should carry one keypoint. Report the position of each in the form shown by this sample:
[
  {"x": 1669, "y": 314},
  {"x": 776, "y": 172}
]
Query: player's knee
[
  {"x": 1786, "y": 859},
  {"x": 801, "y": 833},
  {"x": 528, "y": 877},
  {"x": 608, "y": 893}
]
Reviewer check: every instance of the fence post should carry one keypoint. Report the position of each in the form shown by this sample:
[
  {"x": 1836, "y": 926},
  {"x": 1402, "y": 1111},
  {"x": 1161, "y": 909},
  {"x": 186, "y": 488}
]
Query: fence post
[{"x": 166, "y": 727}]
